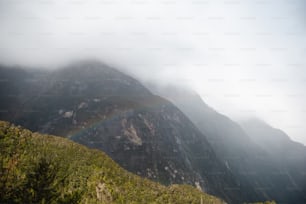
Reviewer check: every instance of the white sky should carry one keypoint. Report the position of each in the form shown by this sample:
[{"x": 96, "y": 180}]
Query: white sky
[{"x": 245, "y": 58}]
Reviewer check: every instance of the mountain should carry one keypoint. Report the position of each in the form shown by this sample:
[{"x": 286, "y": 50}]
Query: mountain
[
  {"x": 290, "y": 156},
  {"x": 39, "y": 168},
  {"x": 257, "y": 165},
  {"x": 274, "y": 141},
  {"x": 100, "y": 107}
]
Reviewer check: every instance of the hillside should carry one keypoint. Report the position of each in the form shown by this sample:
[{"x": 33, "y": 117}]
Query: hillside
[
  {"x": 100, "y": 107},
  {"x": 39, "y": 168}
]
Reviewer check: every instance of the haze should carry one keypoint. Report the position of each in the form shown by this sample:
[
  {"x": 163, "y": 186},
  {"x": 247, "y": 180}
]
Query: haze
[{"x": 245, "y": 58}]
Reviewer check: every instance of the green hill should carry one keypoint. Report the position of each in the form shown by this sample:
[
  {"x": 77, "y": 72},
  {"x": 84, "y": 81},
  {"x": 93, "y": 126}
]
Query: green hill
[{"x": 39, "y": 168}]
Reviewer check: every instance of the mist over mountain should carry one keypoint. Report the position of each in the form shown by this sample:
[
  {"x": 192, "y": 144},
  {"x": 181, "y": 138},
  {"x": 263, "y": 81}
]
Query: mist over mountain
[
  {"x": 102, "y": 108},
  {"x": 245, "y": 58},
  {"x": 272, "y": 140},
  {"x": 290, "y": 156},
  {"x": 260, "y": 157},
  {"x": 94, "y": 104},
  {"x": 205, "y": 93}
]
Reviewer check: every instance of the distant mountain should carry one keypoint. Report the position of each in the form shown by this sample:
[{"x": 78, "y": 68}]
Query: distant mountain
[
  {"x": 274, "y": 141},
  {"x": 39, "y": 168},
  {"x": 290, "y": 156},
  {"x": 102, "y": 108},
  {"x": 255, "y": 158}
]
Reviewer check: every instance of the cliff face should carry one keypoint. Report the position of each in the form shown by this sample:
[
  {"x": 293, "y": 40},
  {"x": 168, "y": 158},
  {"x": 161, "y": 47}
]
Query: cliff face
[{"x": 97, "y": 106}]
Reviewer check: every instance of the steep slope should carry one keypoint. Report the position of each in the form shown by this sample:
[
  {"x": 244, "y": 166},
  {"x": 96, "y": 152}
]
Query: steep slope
[
  {"x": 100, "y": 107},
  {"x": 273, "y": 140},
  {"x": 38, "y": 168},
  {"x": 290, "y": 156},
  {"x": 257, "y": 170},
  {"x": 17, "y": 85}
]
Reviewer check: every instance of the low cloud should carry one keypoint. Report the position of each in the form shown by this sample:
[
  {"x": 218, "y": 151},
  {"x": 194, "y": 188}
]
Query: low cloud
[{"x": 243, "y": 57}]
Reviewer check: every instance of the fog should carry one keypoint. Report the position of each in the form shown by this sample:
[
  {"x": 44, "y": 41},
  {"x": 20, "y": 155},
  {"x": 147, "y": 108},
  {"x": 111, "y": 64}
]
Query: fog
[{"x": 245, "y": 58}]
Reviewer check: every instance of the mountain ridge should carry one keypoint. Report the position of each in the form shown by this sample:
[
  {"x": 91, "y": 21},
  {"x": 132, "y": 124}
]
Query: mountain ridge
[
  {"x": 258, "y": 166},
  {"x": 111, "y": 111}
]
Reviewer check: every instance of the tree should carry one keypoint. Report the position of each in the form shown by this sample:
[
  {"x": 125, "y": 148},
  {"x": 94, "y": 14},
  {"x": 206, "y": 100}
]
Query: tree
[{"x": 40, "y": 186}]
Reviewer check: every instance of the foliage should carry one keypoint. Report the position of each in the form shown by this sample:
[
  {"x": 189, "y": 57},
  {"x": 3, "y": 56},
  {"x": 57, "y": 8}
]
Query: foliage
[{"x": 39, "y": 168}]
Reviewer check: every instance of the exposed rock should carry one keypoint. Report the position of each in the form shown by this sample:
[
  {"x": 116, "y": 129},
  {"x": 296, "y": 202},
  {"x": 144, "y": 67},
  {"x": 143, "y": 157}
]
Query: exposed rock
[
  {"x": 68, "y": 114},
  {"x": 130, "y": 132},
  {"x": 103, "y": 194}
]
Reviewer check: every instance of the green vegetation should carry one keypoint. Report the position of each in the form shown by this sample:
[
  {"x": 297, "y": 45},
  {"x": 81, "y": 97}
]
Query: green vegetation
[{"x": 37, "y": 168}]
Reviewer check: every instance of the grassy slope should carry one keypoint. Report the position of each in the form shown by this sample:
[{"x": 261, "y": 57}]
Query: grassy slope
[{"x": 39, "y": 168}]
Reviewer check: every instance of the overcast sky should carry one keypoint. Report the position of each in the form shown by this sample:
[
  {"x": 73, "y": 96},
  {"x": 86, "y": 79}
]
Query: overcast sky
[{"x": 245, "y": 58}]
